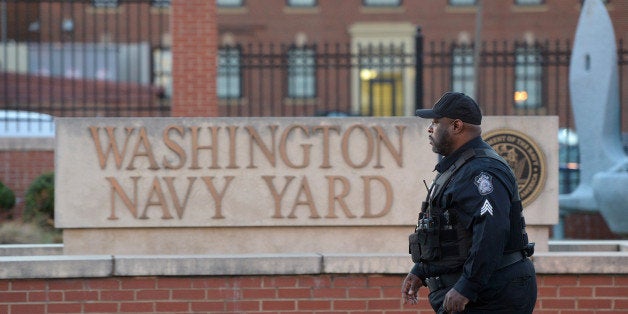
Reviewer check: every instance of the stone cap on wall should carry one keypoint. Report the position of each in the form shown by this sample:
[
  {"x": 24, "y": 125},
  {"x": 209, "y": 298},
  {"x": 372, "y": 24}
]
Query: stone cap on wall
[{"x": 79, "y": 266}]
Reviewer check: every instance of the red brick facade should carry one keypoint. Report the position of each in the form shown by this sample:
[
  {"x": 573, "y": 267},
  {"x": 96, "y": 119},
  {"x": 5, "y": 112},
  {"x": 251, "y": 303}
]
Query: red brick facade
[
  {"x": 194, "y": 51},
  {"x": 330, "y": 20},
  {"x": 280, "y": 294},
  {"x": 194, "y": 39},
  {"x": 198, "y": 27}
]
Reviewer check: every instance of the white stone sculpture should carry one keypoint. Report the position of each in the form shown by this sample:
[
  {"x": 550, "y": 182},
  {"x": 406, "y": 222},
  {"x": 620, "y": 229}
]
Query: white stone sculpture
[{"x": 594, "y": 92}]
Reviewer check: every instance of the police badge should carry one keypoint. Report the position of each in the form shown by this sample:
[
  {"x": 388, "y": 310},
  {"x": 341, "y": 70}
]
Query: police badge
[{"x": 484, "y": 182}]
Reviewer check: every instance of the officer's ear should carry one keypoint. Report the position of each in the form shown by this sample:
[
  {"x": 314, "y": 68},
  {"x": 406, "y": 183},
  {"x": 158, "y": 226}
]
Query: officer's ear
[{"x": 458, "y": 126}]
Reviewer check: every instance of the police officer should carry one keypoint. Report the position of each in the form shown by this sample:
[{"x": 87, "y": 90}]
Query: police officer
[{"x": 470, "y": 247}]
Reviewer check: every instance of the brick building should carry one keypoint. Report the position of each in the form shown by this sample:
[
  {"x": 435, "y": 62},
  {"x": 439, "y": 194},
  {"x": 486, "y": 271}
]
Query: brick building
[
  {"x": 304, "y": 57},
  {"x": 289, "y": 58},
  {"x": 568, "y": 281}
]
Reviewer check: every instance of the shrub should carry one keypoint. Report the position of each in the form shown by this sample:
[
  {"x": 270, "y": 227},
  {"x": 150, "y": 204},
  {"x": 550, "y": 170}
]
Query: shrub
[
  {"x": 39, "y": 200},
  {"x": 7, "y": 200}
]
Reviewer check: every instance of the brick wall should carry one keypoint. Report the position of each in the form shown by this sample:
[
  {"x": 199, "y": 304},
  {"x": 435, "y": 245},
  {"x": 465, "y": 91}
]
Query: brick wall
[
  {"x": 194, "y": 57},
  {"x": 582, "y": 225},
  {"x": 277, "y": 294}
]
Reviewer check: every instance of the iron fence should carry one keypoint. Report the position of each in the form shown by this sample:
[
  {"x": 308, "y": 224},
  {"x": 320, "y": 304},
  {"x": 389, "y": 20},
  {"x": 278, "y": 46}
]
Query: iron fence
[
  {"x": 112, "y": 58},
  {"x": 82, "y": 58}
]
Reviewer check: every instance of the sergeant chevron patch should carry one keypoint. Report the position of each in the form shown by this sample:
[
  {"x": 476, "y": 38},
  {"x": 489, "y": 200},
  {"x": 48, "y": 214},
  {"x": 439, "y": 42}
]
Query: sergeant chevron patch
[{"x": 486, "y": 208}]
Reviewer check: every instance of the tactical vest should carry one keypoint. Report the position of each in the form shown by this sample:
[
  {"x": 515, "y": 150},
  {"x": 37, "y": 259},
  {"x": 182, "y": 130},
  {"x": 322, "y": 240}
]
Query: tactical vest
[{"x": 438, "y": 236}]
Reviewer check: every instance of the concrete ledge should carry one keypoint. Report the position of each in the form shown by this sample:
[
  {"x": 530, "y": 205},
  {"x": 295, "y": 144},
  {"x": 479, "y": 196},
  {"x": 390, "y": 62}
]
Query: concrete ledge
[
  {"x": 366, "y": 263},
  {"x": 581, "y": 263},
  {"x": 73, "y": 266},
  {"x": 55, "y": 266},
  {"x": 31, "y": 249},
  {"x": 588, "y": 246},
  {"x": 172, "y": 265}
]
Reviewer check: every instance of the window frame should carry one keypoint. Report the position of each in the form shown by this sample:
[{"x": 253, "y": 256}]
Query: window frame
[
  {"x": 232, "y": 74},
  {"x": 529, "y": 2},
  {"x": 162, "y": 4},
  {"x": 453, "y": 3},
  {"x": 293, "y": 5},
  {"x": 237, "y": 5},
  {"x": 162, "y": 70},
  {"x": 531, "y": 72},
  {"x": 307, "y": 88},
  {"x": 605, "y": 2},
  {"x": 105, "y": 4},
  {"x": 467, "y": 76},
  {"x": 366, "y": 3}
]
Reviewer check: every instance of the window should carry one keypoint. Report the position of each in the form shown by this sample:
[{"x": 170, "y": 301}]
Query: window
[
  {"x": 568, "y": 161},
  {"x": 528, "y": 2},
  {"x": 229, "y": 3},
  {"x": 528, "y": 78},
  {"x": 162, "y": 70},
  {"x": 381, "y": 75},
  {"x": 301, "y": 3},
  {"x": 603, "y": 1},
  {"x": 105, "y": 3},
  {"x": 228, "y": 83},
  {"x": 160, "y": 3},
  {"x": 382, "y": 3},
  {"x": 462, "y": 2},
  {"x": 301, "y": 73},
  {"x": 463, "y": 70}
]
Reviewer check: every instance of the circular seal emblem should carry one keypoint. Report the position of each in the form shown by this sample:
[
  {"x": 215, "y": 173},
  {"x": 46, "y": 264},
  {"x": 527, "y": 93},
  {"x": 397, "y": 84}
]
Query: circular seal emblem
[{"x": 524, "y": 157}]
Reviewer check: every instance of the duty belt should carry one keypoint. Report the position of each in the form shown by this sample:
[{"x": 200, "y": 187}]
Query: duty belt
[
  {"x": 510, "y": 259},
  {"x": 448, "y": 280},
  {"x": 442, "y": 281}
]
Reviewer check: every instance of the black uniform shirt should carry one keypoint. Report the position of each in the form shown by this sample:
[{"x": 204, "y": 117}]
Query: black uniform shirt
[{"x": 480, "y": 192}]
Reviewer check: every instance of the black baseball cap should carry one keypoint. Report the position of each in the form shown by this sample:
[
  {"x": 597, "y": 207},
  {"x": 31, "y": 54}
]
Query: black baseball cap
[{"x": 454, "y": 106}]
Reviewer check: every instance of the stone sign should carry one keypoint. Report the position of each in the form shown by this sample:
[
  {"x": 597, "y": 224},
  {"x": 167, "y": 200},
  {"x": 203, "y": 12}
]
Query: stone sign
[{"x": 174, "y": 178}]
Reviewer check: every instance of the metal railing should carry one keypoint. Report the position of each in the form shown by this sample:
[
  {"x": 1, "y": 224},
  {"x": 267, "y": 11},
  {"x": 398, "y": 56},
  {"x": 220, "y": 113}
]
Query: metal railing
[{"x": 73, "y": 58}]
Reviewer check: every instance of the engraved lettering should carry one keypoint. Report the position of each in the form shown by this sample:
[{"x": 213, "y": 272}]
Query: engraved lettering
[
  {"x": 173, "y": 146},
  {"x": 196, "y": 147},
  {"x": 382, "y": 137},
  {"x": 180, "y": 208},
  {"x": 338, "y": 198},
  {"x": 325, "y": 129},
  {"x": 116, "y": 189},
  {"x": 112, "y": 145},
  {"x": 277, "y": 197},
  {"x": 257, "y": 139},
  {"x": 146, "y": 151},
  {"x": 305, "y": 147},
  {"x": 368, "y": 213},
  {"x": 232, "y": 147},
  {"x": 217, "y": 196},
  {"x": 161, "y": 201},
  {"x": 304, "y": 189},
  {"x": 368, "y": 148}
]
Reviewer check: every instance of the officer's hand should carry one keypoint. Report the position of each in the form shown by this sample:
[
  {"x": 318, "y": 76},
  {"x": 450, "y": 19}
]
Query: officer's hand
[
  {"x": 454, "y": 301},
  {"x": 410, "y": 289}
]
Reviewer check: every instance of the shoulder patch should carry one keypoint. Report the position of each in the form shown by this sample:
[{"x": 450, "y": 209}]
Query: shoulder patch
[{"x": 484, "y": 182}]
